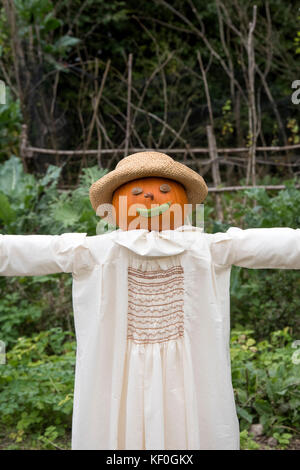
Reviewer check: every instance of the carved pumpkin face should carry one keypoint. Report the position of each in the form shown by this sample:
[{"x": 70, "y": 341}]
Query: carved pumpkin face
[{"x": 151, "y": 203}]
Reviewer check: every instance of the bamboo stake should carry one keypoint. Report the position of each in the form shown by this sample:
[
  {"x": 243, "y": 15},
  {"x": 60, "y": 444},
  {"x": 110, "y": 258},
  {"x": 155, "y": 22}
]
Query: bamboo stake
[
  {"x": 242, "y": 188},
  {"x": 23, "y": 146},
  {"x": 206, "y": 89},
  {"x": 213, "y": 153},
  {"x": 252, "y": 106},
  {"x": 214, "y": 167},
  {"x": 162, "y": 150},
  {"x": 96, "y": 105},
  {"x": 128, "y": 118},
  {"x": 212, "y": 189}
]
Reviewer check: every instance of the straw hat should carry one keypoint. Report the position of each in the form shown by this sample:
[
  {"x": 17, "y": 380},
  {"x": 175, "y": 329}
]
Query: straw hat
[{"x": 141, "y": 165}]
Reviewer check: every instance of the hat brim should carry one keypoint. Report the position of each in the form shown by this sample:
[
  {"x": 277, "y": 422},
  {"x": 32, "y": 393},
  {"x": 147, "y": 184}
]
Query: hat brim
[{"x": 101, "y": 192}]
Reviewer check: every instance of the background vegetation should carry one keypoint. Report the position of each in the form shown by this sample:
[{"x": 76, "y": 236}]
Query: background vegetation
[
  {"x": 66, "y": 65},
  {"x": 54, "y": 58}
]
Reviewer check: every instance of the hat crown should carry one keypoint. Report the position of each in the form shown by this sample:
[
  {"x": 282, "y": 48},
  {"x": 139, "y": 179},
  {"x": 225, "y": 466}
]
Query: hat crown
[
  {"x": 148, "y": 164},
  {"x": 148, "y": 156}
]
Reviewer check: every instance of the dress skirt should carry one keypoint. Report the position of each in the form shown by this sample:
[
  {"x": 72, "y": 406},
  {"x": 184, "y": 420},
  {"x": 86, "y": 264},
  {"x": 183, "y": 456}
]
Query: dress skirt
[{"x": 158, "y": 407}]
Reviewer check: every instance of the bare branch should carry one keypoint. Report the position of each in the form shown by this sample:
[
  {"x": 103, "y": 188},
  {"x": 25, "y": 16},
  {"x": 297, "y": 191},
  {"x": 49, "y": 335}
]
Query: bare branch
[
  {"x": 205, "y": 40},
  {"x": 252, "y": 106},
  {"x": 128, "y": 105},
  {"x": 96, "y": 104},
  {"x": 206, "y": 89}
]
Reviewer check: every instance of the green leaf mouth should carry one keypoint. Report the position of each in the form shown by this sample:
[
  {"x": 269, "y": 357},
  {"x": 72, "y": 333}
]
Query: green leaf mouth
[{"x": 154, "y": 211}]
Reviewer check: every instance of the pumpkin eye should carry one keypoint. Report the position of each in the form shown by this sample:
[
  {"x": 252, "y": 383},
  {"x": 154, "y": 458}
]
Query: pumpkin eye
[
  {"x": 137, "y": 190},
  {"x": 165, "y": 188}
]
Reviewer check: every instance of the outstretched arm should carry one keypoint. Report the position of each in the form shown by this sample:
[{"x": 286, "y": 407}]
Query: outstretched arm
[
  {"x": 258, "y": 248},
  {"x": 33, "y": 255}
]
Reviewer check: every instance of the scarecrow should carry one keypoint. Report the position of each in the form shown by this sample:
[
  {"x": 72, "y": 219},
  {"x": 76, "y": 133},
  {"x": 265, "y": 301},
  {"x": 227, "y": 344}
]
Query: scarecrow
[{"x": 151, "y": 309}]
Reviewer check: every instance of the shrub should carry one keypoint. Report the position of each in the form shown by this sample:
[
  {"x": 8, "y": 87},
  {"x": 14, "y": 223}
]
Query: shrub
[
  {"x": 266, "y": 379},
  {"x": 10, "y": 125},
  {"x": 37, "y": 385}
]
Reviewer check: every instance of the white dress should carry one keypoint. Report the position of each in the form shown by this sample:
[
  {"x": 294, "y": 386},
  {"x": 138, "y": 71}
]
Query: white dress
[
  {"x": 152, "y": 321},
  {"x": 158, "y": 394}
]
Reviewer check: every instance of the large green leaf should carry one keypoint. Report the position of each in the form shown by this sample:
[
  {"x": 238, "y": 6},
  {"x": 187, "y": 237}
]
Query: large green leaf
[
  {"x": 104, "y": 227},
  {"x": 52, "y": 175},
  {"x": 7, "y": 213},
  {"x": 263, "y": 407},
  {"x": 243, "y": 413},
  {"x": 11, "y": 176},
  {"x": 65, "y": 42},
  {"x": 13, "y": 181},
  {"x": 66, "y": 215}
]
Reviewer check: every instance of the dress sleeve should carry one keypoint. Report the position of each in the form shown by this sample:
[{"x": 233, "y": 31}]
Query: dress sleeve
[
  {"x": 34, "y": 255},
  {"x": 277, "y": 247}
]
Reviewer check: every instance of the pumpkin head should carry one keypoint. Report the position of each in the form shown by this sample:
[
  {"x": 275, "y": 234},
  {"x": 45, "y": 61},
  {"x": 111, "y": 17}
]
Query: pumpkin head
[{"x": 151, "y": 203}]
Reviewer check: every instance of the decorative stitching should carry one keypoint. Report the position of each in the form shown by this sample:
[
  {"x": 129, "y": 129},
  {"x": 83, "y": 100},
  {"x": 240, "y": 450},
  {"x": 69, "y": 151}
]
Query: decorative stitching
[
  {"x": 154, "y": 316},
  {"x": 162, "y": 284},
  {"x": 157, "y": 327},
  {"x": 150, "y": 321},
  {"x": 167, "y": 338},
  {"x": 150, "y": 273},
  {"x": 154, "y": 305},
  {"x": 154, "y": 293}
]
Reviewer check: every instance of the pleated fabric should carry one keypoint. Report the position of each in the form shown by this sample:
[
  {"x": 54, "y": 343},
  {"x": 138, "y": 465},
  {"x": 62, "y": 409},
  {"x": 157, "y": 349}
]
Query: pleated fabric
[{"x": 158, "y": 407}]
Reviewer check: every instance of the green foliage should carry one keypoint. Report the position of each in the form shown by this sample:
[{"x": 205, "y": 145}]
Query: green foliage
[
  {"x": 78, "y": 38},
  {"x": 24, "y": 198},
  {"x": 297, "y": 40},
  {"x": 104, "y": 227},
  {"x": 41, "y": 13},
  {"x": 72, "y": 210},
  {"x": 18, "y": 315},
  {"x": 280, "y": 210},
  {"x": 30, "y": 204},
  {"x": 283, "y": 439},
  {"x": 263, "y": 298},
  {"x": 246, "y": 441},
  {"x": 10, "y": 125},
  {"x": 266, "y": 381},
  {"x": 37, "y": 384}
]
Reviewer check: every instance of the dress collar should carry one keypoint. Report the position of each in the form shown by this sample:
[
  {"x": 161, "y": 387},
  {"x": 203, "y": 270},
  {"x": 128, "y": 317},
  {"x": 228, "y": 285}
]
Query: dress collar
[{"x": 154, "y": 243}]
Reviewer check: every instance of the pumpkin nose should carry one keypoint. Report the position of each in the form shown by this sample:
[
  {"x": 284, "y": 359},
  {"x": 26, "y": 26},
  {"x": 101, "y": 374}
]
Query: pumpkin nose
[{"x": 149, "y": 195}]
